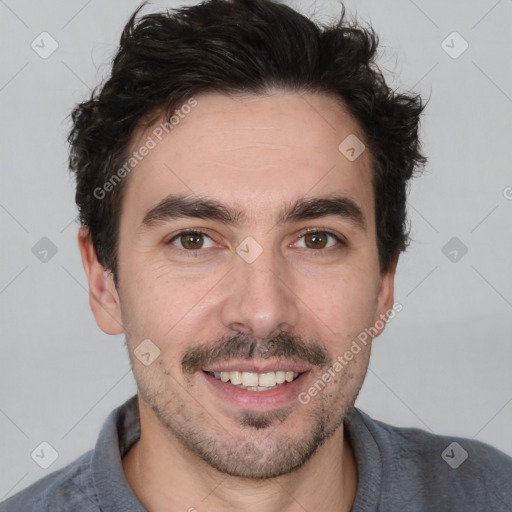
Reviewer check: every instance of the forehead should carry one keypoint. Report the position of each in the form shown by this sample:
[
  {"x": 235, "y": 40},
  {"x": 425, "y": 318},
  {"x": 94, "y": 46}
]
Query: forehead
[{"x": 254, "y": 152}]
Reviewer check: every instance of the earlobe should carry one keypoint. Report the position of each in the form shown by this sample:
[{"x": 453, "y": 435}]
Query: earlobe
[{"x": 103, "y": 296}]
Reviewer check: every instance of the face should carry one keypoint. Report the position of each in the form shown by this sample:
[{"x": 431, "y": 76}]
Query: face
[{"x": 247, "y": 256}]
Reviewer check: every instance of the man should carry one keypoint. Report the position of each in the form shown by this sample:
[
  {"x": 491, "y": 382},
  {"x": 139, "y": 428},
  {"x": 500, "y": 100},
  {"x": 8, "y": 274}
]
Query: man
[{"x": 241, "y": 184}]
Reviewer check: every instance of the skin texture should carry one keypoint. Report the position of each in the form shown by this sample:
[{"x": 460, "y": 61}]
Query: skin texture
[{"x": 259, "y": 154}]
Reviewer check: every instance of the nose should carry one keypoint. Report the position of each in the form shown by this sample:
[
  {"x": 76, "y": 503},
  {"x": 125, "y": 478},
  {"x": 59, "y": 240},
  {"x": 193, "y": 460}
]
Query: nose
[{"x": 260, "y": 300}]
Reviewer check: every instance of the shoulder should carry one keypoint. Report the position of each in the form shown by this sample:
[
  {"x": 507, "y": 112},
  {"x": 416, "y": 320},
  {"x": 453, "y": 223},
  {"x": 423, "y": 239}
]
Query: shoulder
[
  {"x": 447, "y": 472},
  {"x": 69, "y": 488}
]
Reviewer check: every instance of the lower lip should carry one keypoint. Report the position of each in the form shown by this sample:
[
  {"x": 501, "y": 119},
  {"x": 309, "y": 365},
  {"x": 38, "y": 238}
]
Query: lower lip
[{"x": 257, "y": 400}]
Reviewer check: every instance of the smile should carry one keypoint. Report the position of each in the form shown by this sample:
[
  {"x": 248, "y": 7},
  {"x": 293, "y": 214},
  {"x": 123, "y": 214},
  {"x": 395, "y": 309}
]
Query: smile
[{"x": 252, "y": 381}]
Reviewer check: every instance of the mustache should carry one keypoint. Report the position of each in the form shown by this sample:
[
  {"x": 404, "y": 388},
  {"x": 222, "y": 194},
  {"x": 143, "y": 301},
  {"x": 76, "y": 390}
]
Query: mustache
[{"x": 242, "y": 346}]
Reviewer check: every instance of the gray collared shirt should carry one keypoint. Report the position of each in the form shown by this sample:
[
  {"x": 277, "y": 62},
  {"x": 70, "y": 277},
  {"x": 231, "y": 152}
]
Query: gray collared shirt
[{"x": 400, "y": 469}]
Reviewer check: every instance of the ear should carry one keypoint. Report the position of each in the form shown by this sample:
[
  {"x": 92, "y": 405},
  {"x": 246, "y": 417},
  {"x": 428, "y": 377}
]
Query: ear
[
  {"x": 103, "y": 296},
  {"x": 385, "y": 299}
]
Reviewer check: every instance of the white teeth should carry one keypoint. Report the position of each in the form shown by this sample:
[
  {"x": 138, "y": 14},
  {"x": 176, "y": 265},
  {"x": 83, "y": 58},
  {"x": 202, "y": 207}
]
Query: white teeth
[
  {"x": 235, "y": 377},
  {"x": 249, "y": 379},
  {"x": 256, "y": 380},
  {"x": 280, "y": 377},
  {"x": 268, "y": 379}
]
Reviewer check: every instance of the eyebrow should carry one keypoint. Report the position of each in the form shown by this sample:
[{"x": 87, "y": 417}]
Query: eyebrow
[{"x": 177, "y": 206}]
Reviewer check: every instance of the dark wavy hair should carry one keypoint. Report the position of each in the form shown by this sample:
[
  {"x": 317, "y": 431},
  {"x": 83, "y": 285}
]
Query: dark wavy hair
[{"x": 240, "y": 47}]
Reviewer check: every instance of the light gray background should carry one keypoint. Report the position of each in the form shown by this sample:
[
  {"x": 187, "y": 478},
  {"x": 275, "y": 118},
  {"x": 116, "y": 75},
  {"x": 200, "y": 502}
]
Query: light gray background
[{"x": 443, "y": 364}]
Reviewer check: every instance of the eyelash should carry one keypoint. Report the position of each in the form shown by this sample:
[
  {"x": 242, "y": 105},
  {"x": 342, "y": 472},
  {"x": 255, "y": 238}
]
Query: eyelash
[{"x": 194, "y": 252}]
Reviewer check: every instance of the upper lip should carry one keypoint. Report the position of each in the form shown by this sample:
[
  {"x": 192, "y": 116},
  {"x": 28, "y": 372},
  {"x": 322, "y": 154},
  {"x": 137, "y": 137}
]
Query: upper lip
[{"x": 258, "y": 367}]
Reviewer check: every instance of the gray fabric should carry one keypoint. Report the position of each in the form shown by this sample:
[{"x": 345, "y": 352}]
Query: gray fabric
[{"x": 400, "y": 469}]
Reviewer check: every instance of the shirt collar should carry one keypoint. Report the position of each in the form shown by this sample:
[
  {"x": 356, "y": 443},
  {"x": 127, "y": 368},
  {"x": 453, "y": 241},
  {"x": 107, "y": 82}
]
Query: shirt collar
[{"x": 120, "y": 431}]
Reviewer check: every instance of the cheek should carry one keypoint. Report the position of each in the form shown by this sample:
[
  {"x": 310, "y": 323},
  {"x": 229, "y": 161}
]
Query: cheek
[
  {"x": 163, "y": 308},
  {"x": 345, "y": 305}
]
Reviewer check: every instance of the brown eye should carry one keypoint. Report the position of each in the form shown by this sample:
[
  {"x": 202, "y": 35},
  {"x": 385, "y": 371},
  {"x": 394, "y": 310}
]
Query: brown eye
[
  {"x": 190, "y": 240},
  {"x": 319, "y": 240},
  {"x": 315, "y": 240}
]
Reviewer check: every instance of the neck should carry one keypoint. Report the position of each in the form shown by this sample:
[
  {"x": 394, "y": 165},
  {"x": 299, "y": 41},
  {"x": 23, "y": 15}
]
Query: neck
[{"x": 165, "y": 477}]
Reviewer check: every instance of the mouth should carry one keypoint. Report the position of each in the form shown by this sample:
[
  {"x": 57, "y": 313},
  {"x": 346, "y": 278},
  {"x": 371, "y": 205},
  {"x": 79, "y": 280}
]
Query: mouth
[
  {"x": 252, "y": 381},
  {"x": 252, "y": 387}
]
